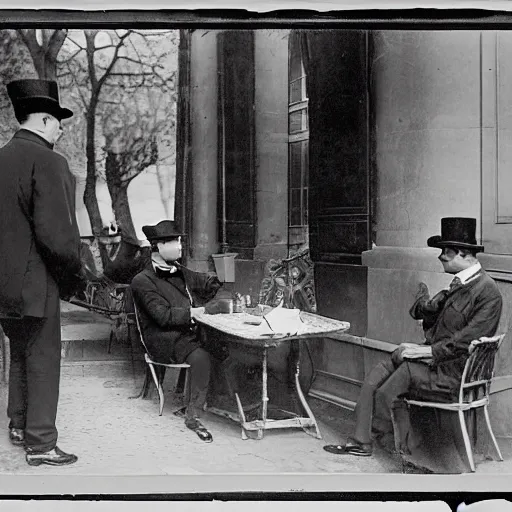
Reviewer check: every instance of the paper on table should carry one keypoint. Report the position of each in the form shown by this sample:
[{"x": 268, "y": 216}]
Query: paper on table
[{"x": 284, "y": 321}]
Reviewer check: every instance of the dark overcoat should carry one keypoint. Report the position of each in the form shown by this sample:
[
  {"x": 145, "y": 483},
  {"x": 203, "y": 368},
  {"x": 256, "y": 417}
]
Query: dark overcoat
[
  {"x": 39, "y": 237},
  {"x": 469, "y": 312},
  {"x": 164, "y": 309}
]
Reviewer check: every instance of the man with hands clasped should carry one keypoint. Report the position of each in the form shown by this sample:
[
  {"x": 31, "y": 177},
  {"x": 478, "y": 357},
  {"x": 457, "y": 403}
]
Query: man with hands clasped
[
  {"x": 40, "y": 264},
  {"x": 468, "y": 310},
  {"x": 167, "y": 295}
]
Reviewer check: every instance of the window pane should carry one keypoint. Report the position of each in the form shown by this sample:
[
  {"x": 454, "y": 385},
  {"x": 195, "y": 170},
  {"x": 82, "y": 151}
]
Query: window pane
[
  {"x": 305, "y": 208},
  {"x": 295, "y": 208},
  {"x": 297, "y": 91},
  {"x": 305, "y": 159},
  {"x": 305, "y": 120},
  {"x": 297, "y": 121},
  {"x": 295, "y": 69},
  {"x": 295, "y": 164},
  {"x": 295, "y": 217}
]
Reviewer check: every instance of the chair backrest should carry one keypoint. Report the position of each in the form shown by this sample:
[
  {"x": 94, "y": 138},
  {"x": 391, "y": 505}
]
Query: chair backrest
[
  {"x": 479, "y": 368},
  {"x": 137, "y": 322}
]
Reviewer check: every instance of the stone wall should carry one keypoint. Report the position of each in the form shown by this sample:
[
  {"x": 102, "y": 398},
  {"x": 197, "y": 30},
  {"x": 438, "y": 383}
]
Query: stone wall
[{"x": 426, "y": 103}]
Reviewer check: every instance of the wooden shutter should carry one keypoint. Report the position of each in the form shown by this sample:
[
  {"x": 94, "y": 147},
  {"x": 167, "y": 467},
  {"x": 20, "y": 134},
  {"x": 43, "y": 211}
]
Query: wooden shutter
[
  {"x": 337, "y": 79},
  {"x": 237, "y": 208},
  {"x": 182, "y": 210}
]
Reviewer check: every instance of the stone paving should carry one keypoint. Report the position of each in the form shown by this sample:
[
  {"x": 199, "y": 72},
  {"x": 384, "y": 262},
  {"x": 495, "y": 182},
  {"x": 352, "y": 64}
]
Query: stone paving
[{"x": 115, "y": 435}]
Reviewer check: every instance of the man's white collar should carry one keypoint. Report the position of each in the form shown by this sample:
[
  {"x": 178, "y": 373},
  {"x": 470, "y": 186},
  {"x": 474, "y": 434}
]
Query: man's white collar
[
  {"x": 39, "y": 133},
  {"x": 468, "y": 274},
  {"x": 158, "y": 262}
]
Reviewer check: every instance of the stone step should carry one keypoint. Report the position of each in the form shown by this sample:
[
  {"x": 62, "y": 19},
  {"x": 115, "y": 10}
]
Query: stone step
[
  {"x": 97, "y": 350},
  {"x": 86, "y": 331},
  {"x": 131, "y": 371}
]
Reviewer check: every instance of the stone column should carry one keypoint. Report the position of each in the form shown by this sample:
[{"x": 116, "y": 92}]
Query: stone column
[
  {"x": 426, "y": 102},
  {"x": 203, "y": 155},
  {"x": 271, "y": 131}
]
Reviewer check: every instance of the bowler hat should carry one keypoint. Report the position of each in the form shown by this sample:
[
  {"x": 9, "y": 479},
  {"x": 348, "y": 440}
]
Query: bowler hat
[
  {"x": 456, "y": 232},
  {"x": 164, "y": 230},
  {"x": 31, "y": 95}
]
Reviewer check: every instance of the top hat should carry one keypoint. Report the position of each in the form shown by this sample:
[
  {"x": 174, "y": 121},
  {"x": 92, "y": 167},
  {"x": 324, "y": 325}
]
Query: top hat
[
  {"x": 31, "y": 95},
  {"x": 456, "y": 232},
  {"x": 164, "y": 230}
]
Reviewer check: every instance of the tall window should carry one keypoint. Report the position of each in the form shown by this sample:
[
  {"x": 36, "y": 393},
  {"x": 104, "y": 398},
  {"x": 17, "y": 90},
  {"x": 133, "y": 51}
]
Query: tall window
[{"x": 298, "y": 140}]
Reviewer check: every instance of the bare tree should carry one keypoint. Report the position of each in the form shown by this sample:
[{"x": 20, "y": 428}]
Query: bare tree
[
  {"x": 15, "y": 62},
  {"x": 131, "y": 150},
  {"x": 44, "y": 54},
  {"x": 119, "y": 68}
]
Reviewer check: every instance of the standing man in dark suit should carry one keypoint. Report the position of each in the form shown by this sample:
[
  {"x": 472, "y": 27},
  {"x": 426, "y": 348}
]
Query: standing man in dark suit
[
  {"x": 40, "y": 263},
  {"x": 168, "y": 295},
  {"x": 468, "y": 310}
]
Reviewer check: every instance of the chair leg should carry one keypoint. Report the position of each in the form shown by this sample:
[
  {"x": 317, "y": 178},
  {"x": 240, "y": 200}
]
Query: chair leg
[
  {"x": 110, "y": 339},
  {"x": 467, "y": 442},
  {"x": 488, "y": 421},
  {"x": 145, "y": 385},
  {"x": 186, "y": 386},
  {"x": 241, "y": 414},
  {"x": 396, "y": 436},
  {"x": 147, "y": 382},
  {"x": 159, "y": 388}
]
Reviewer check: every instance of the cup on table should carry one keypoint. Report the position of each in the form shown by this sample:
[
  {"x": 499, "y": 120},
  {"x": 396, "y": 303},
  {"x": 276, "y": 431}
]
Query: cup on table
[{"x": 225, "y": 306}]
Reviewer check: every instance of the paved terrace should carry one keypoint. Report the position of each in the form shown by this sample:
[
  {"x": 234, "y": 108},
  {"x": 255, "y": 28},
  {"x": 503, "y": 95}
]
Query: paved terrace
[{"x": 117, "y": 436}]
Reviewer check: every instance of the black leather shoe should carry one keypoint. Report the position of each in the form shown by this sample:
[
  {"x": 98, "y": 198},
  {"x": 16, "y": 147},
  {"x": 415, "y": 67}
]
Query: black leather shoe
[
  {"x": 55, "y": 457},
  {"x": 17, "y": 436},
  {"x": 203, "y": 434},
  {"x": 350, "y": 448}
]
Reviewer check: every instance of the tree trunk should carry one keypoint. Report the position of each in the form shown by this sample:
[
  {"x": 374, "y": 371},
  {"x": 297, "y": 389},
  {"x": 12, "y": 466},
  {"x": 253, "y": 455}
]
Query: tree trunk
[
  {"x": 164, "y": 188},
  {"x": 118, "y": 190},
  {"x": 44, "y": 56},
  {"x": 90, "y": 199},
  {"x": 122, "y": 212}
]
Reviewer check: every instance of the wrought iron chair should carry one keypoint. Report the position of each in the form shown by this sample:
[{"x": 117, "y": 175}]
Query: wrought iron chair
[
  {"x": 157, "y": 369},
  {"x": 473, "y": 393}
]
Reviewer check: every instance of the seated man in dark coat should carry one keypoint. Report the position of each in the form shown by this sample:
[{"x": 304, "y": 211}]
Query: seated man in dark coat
[
  {"x": 165, "y": 293},
  {"x": 468, "y": 310}
]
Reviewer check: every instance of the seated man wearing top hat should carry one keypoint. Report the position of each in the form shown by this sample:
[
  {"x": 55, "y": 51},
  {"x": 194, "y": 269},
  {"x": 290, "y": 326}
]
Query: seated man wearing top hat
[
  {"x": 39, "y": 263},
  {"x": 165, "y": 294},
  {"x": 468, "y": 310}
]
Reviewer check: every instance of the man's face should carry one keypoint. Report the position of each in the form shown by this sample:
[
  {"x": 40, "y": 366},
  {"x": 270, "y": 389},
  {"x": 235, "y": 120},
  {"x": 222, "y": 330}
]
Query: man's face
[
  {"x": 453, "y": 261},
  {"x": 170, "y": 250},
  {"x": 52, "y": 128}
]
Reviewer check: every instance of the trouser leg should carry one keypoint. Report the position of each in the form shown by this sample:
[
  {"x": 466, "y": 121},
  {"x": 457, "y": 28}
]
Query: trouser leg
[
  {"x": 18, "y": 331},
  {"x": 399, "y": 383},
  {"x": 364, "y": 408},
  {"x": 43, "y": 377},
  {"x": 35, "y": 375},
  {"x": 200, "y": 367}
]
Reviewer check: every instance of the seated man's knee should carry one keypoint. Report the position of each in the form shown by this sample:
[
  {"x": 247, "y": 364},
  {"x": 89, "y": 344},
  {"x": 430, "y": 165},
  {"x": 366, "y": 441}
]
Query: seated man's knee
[
  {"x": 199, "y": 358},
  {"x": 379, "y": 374}
]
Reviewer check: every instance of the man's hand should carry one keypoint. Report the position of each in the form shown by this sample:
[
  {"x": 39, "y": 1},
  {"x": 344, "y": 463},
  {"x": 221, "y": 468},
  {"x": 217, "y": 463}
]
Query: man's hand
[
  {"x": 422, "y": 291},
  {"x": 416, "y": 351},
  {"x": 195, "y": 312},
  {"x": 410, "y": 351}
]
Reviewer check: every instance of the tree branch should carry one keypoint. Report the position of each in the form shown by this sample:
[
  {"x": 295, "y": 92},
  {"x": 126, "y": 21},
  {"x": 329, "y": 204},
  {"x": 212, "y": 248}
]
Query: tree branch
[
  {"x": 78, "y": 88},
  {"x": 75, "y": 43},
  {"x": 101, "y": 81},
  {"x": 56, "y": 41},
  {"x": 71, "y": 57},
  {"x": 29, "y": 38},
  {"x": 89, "y": 39}
]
